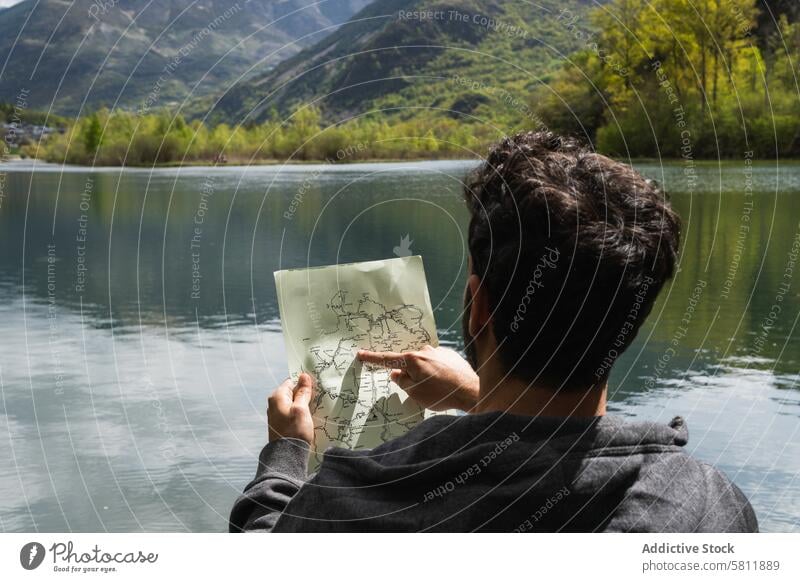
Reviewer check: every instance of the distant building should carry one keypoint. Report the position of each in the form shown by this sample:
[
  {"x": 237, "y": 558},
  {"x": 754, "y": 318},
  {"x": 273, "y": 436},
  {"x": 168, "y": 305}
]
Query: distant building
[{"x": 16, "y": 135}]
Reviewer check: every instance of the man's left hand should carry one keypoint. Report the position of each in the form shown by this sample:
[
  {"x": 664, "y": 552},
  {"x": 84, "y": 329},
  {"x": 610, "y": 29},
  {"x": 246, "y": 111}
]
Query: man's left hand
[{"x": 288, "y": 413}]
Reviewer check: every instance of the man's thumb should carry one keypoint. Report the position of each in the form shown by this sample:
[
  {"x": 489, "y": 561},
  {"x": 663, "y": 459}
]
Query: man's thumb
[{"x": 304, "y": 390}]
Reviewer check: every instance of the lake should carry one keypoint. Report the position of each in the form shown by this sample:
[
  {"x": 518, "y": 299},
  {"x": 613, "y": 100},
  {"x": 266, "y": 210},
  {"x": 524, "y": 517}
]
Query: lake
[{"x": 140, "y": 331}]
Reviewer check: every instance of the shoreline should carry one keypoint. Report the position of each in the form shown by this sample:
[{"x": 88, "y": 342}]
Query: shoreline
[
  {"x": 9, "y": 162},
  {"x": 235, "y": 163}
]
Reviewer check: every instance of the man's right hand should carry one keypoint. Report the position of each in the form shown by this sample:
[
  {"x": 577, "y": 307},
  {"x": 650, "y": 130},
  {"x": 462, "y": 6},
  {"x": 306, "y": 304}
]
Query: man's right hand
[{"x": 437, "y": 378}]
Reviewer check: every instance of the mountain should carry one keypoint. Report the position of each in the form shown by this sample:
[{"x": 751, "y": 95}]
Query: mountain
[
  {"x": 149, "y": 53},
  {"x": 418, "y": 57}
]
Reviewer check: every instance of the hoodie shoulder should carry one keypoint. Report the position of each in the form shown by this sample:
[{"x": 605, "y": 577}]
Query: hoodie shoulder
[{"x": 726, "y": 509}]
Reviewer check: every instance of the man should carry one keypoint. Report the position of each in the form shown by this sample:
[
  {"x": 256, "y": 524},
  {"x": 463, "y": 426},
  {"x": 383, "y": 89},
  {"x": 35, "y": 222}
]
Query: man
[{"x": 568, "y": 251}]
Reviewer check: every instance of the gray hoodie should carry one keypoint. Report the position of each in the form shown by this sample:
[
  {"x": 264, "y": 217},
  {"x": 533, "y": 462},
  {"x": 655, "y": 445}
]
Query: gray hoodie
[{"x": 498, "y": 472}]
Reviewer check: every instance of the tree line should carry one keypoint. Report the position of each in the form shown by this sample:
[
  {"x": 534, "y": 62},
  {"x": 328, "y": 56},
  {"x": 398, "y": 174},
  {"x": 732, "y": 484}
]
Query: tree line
[{"x": 123, "y": 137}]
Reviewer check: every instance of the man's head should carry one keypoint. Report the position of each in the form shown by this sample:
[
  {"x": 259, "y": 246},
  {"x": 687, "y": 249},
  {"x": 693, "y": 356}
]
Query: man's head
[{"x": 568, "y": 252}]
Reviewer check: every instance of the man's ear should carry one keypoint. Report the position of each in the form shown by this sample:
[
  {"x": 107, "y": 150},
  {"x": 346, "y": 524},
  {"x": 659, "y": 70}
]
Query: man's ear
[{"x": 479, "y": 314}]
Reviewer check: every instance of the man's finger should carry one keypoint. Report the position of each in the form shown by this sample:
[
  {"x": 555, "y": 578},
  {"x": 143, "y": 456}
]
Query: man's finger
[
  {"x": 386, "y": 359},
  {"x": 402, "y": 379},
  {"x": 304, "y": 390}
]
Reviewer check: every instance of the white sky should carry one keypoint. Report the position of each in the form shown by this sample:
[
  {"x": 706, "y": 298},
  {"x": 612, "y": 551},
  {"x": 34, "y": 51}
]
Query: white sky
[{"x": 5, "y": 3}]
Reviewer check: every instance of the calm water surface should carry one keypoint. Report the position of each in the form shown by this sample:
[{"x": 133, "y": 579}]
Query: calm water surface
[{"x": 140, "y": 336}]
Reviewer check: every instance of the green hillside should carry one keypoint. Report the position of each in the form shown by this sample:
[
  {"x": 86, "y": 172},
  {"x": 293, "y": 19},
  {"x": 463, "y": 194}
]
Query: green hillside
[{"x": 420, "y": 59}]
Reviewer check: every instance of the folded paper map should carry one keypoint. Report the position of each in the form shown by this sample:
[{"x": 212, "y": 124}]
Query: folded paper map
[{"x": 328, "y": 314}]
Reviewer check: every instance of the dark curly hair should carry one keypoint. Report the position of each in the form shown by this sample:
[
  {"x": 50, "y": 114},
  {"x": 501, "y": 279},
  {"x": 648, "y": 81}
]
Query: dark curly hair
[{"x": 573, "y": 248}]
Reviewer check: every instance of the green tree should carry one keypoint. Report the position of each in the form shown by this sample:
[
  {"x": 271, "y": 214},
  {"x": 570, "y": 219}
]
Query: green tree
[{"x": 92, "y": 134}]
